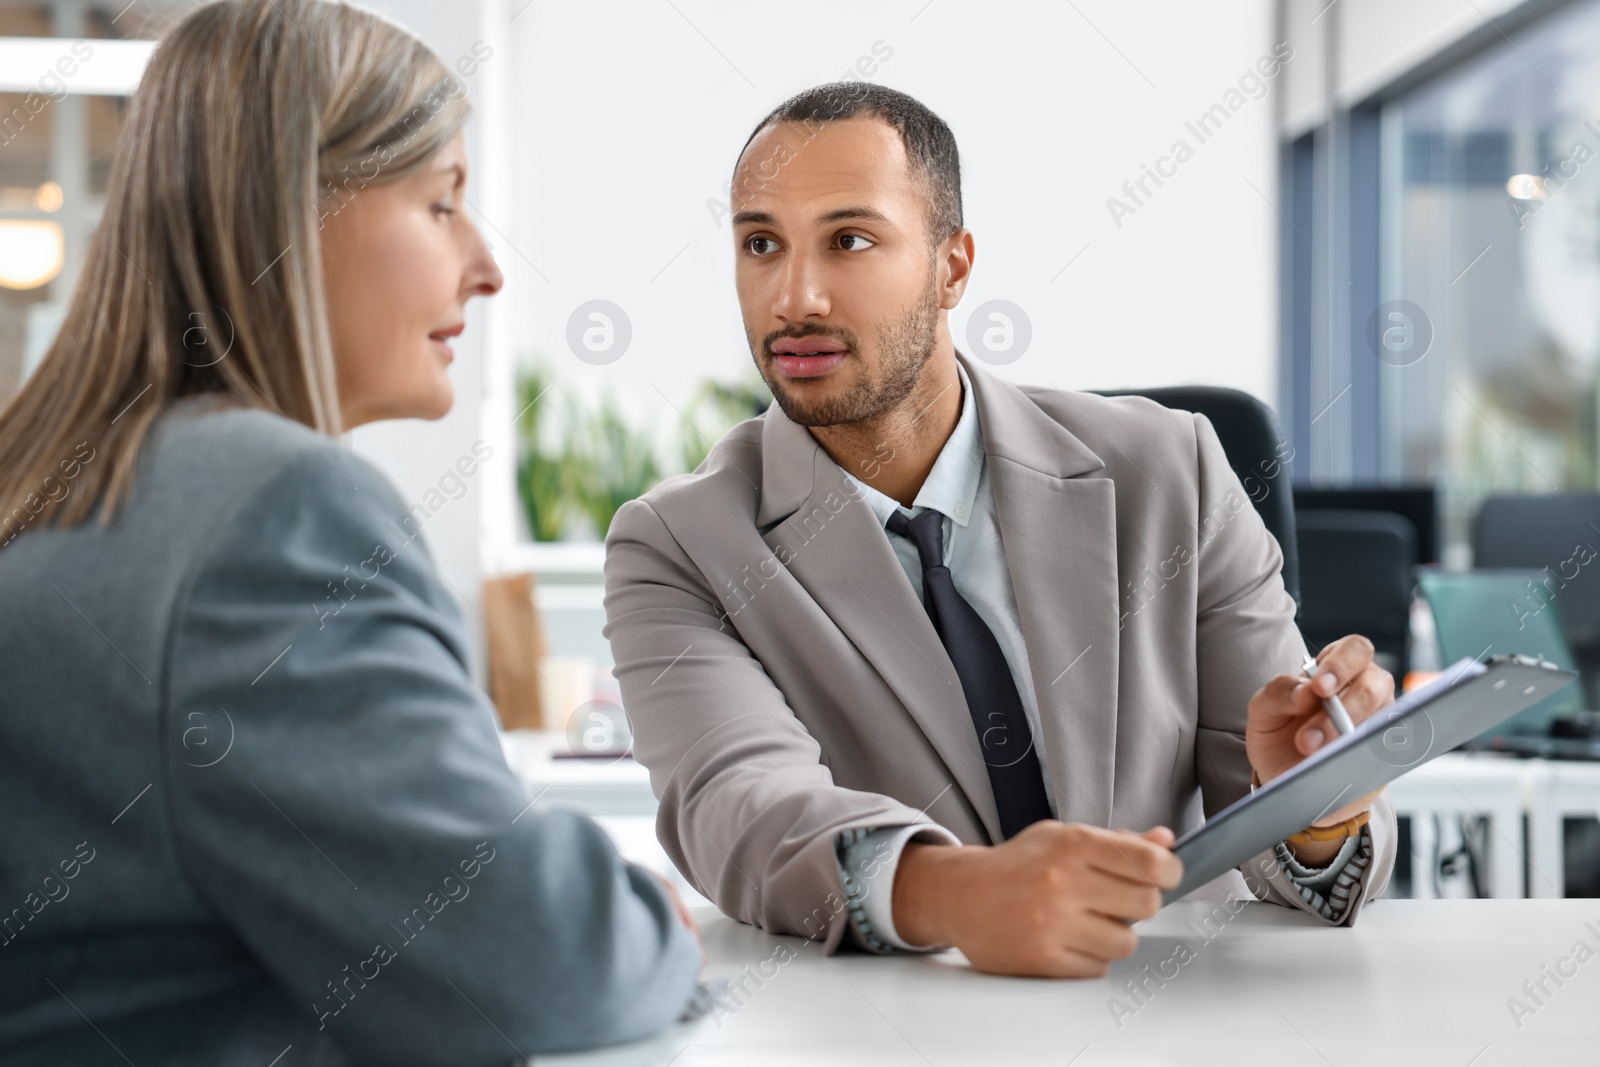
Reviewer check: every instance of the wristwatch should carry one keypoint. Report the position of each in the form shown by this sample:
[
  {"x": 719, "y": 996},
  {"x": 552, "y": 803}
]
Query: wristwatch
[
  {"x": 1337, "y": 832},
  {"x": 1314, "y": 834}
]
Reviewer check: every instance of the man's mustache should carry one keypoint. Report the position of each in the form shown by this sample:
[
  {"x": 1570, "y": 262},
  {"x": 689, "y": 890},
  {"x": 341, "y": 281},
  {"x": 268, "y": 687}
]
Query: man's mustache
[{"x": 844, "y": 337}]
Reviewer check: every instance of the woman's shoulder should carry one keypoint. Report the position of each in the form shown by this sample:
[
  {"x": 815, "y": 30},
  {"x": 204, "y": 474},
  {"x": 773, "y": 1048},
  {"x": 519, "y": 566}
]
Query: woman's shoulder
[
  {"x": 212, "y": 436},
  {"x": 263, "y": 506},
  {"x": 211, "y": 440},
  {"x": 212, "y": 462}
]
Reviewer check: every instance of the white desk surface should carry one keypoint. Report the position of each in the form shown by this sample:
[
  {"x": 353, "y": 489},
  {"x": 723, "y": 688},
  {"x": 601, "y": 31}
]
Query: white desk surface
[
  {"x": 1413, "y": 982},
  {"x": 539, "y": 756},
  {"x": 599, "y": 787}
]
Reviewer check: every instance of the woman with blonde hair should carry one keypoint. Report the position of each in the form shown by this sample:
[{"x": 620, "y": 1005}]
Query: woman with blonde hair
[{"x": 241, "y": 825}]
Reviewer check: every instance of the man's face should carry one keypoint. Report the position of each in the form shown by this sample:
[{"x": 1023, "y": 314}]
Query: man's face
[{"x": 837, "y": 277}]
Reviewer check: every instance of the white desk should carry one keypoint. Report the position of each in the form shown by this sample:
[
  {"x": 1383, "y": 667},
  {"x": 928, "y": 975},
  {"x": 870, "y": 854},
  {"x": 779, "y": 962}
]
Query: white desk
[
  {"x": 1413, "y": 983},
  {"x": 1472, "y": 785},
  {"x": 1555, "y": 790},
  {"x": 595, "y": 787},
  {"x": 615, "y": 793},
  {"x": 1502, "y": 789}
]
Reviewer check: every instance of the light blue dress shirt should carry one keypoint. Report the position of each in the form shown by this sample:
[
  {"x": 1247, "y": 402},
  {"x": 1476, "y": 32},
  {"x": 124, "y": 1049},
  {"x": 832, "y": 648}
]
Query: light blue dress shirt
[{"x": 958, "y": 488}]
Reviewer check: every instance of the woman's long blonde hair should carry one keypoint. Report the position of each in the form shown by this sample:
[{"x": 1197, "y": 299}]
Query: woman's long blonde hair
[{"x": 255, "y": 121}]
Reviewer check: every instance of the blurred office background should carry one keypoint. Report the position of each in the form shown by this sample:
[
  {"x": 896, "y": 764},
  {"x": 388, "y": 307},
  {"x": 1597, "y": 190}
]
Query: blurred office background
[{"x": 1379, "y": 217}]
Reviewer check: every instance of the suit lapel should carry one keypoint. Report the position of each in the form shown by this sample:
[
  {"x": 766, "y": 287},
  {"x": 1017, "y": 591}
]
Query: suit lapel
[
  {"x": 833, "y": 545},
  {"x": 1057, "y": 524}
]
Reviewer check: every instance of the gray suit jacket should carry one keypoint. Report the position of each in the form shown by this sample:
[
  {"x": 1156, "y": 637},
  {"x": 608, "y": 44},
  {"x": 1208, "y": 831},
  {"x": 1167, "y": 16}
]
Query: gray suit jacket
[
  {"x": 784, "y": 683},
  {"x": 237, "y": 819}
]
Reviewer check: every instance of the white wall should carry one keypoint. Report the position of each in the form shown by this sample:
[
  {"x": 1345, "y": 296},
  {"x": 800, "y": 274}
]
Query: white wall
[
  {"x": 628, "y": 118},
  {"x": 605, "y": 132},
  {"x": 416, "y": 454},
  {"x": 1375, "y": 41},
  {"x": 619, "y": 123}
]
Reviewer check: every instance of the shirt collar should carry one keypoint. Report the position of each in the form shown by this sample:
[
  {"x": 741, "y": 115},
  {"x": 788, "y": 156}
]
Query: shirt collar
[{"x": 951, "y": 487}]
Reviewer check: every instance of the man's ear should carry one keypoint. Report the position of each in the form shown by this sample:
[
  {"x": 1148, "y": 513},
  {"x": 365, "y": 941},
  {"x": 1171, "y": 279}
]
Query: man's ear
[{"x": 955, "y": 257}]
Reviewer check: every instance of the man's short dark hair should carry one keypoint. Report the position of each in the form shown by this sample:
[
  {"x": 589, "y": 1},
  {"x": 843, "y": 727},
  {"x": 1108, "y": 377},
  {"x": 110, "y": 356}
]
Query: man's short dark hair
[{"x": 930, "y": 146}]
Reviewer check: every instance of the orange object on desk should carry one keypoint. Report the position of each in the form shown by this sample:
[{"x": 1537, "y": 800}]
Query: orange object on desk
[{"x": 1414, "y": 679}]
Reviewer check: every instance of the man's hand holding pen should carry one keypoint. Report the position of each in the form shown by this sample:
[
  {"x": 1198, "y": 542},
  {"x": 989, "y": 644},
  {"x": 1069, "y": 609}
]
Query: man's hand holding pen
[{"x": 1293, "y": 716}]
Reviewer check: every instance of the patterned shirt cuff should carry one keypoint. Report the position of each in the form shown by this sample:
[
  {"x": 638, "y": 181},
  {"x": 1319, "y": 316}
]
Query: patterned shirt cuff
[
  {"x": 867, "y": 861},
  {"x": 1329, "y": 890}
]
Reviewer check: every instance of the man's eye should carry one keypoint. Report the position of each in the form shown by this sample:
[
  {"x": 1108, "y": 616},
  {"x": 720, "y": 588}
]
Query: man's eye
[
  {"x": 860, "y": 244},
  {"x": 760, "y": 246}
]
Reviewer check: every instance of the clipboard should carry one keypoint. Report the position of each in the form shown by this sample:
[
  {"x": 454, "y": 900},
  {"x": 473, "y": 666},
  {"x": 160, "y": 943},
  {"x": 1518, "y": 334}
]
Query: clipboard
[{"x": 1466, "y": 699}]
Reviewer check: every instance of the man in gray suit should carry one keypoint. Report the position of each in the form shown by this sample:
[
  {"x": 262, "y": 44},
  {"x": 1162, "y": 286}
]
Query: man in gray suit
[{"x": 903, "y": 650}]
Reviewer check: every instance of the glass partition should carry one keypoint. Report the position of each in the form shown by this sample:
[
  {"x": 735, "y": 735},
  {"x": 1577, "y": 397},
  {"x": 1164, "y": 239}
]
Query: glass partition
[{"x": 1489, "y": 329}]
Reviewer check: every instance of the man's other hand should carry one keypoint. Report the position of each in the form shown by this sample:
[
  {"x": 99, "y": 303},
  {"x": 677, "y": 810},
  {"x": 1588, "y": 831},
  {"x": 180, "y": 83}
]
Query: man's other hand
[{"x": 1055, "y": 901}]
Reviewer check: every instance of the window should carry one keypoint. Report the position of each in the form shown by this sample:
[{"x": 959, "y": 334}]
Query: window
[
  {"x": 65, "y": 70},
  {"x": 1488, "y": 333}
]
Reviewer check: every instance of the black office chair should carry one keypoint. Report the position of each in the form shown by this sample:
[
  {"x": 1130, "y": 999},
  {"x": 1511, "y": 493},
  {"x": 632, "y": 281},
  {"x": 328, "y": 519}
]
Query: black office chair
[
  {"x": 1417, "y": 504},
  {"x": 1558, "y": 531},
  {"x": 1249, "y": 434},
  {"x": 1356, "y": 578}
]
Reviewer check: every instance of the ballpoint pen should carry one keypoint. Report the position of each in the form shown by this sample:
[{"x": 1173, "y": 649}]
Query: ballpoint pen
[{"x": 1331, "y": 703}]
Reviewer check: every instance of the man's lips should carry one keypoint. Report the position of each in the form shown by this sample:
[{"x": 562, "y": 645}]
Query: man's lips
[
  {"x": 807, "y": 357},
  {"x": 806, "y": 346},
  {"x": 808, "y": 366}
]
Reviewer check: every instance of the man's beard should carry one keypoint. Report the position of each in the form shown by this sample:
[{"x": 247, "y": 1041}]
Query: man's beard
[{"x": 904, "y": 345}]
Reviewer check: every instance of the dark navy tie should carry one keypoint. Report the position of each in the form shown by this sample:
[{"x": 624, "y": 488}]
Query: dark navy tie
[{"x": 991, "y": 692}]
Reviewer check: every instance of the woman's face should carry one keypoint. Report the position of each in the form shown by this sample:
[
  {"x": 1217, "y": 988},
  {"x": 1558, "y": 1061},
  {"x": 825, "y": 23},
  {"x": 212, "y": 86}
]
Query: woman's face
[{"x": 400, "y": 261}]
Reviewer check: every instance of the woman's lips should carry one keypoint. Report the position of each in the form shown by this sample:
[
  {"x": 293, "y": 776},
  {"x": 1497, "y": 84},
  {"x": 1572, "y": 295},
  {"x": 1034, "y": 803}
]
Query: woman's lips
[{"x": 443, "y": 349}]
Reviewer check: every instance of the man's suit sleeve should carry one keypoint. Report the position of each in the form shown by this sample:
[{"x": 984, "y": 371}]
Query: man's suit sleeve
[
  {"x": 749, "y": 812},
  {"x": 339, "y": 796},
  {"x": 1246, "y": 634}
]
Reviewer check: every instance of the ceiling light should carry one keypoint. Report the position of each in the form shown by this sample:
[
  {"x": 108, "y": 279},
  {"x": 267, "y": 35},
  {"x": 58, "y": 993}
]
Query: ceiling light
[
  {"x": 1527, "y": 187},
  {"x": 49, "y": 197},
  {"x": 31, "y": 253}
]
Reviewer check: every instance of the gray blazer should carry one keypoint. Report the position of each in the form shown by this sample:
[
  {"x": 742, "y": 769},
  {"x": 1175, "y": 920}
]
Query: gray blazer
[
  {"x": 784, "y": 683},
  {"x": 253, "y": 800}
]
